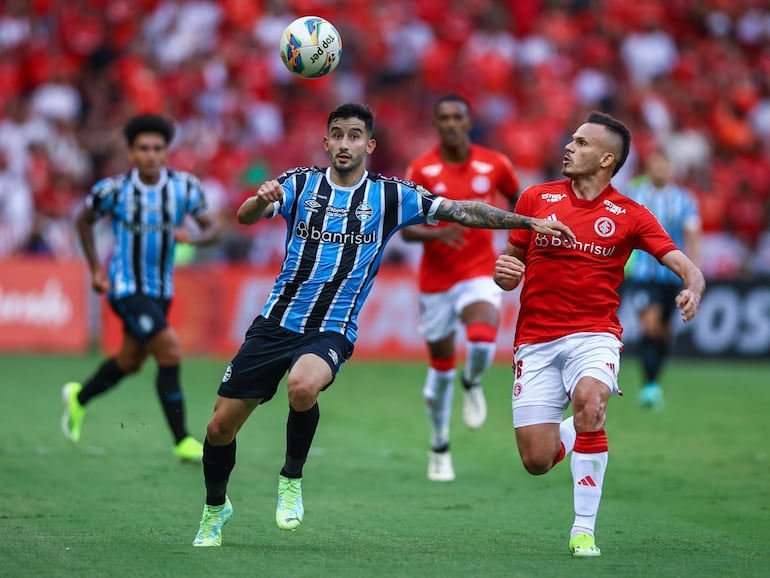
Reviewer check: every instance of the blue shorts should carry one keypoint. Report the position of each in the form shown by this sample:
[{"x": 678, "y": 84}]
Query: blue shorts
[
  {"x": 143, "y": 317},
  {"x": 270, "y": 351},
  {"x": 648, "y": 293}
]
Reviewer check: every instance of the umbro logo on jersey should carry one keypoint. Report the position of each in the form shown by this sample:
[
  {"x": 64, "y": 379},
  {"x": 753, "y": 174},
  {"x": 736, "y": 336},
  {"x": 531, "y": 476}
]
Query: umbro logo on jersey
[
  {"x": 334, "y": 357},
  {"x": 587, "y": 481},
  {"x": 311, "y": 205}
]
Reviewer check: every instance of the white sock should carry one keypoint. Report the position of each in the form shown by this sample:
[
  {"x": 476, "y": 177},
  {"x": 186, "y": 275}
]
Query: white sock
[
  {"x": 588, "y": 477},
  {"x": 480, "y": 355},
  {"x": 438, "y": 393},
  {"x": 568, "y": 434}
]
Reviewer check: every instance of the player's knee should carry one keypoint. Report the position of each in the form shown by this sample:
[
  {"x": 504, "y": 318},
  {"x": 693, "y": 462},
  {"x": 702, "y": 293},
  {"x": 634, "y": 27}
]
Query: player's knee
[
  {"x": 219, "y": 433},
  {"x": 590, "y": 416},
  {"x": 168, "y": 353},
  {"x": 130, "y": 365},
  {"x": 302, "y": 394},
  {"x": 169, "y": 358},
  {"x": 537, "y": 463}
]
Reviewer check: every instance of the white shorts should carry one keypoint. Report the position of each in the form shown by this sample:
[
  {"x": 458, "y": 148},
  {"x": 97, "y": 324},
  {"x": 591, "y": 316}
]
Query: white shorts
[
  {"x": 440, "y": 312},
  {"x": 545, "y": 374}
]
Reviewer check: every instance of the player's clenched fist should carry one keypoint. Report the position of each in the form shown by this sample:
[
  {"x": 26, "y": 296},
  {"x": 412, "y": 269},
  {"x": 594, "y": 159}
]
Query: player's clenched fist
[
  {"x": 270, "y": 191},
  {"x": 261, "y": 204},
  {"x": 508, "y": 272}
]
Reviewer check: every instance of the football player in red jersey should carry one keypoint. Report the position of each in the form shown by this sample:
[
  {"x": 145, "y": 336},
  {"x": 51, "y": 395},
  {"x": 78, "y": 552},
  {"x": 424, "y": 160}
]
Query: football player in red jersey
[
  {"x": 567, "y": 345},
  {"x": 455, "y": 277}
]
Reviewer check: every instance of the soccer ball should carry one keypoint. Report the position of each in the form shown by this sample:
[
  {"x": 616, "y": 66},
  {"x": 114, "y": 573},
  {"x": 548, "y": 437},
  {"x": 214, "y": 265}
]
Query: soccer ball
[{"x": 311, "y": 47}]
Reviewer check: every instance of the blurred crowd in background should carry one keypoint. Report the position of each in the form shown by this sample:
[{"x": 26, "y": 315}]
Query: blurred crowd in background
[{"x": 689, "y": 76}]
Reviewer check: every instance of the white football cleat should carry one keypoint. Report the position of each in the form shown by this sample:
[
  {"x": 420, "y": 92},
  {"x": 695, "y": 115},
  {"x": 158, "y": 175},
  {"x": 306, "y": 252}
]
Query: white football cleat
[
  {"x": 440, "y": 467},
  {"x": 474, "y": 407}
]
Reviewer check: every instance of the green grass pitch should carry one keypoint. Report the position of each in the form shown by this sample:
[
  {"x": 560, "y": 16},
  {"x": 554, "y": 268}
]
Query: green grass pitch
[{"x": 687, "y": 491}]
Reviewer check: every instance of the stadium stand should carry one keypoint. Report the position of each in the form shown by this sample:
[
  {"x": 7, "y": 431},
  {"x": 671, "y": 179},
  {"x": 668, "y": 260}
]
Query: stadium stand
[{"x": 688, "y": 76}]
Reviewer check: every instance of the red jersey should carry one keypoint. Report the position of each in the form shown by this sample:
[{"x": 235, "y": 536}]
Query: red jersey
[
  {"x": 574, "y": 289},
  {"x": 477, "y": 179}
]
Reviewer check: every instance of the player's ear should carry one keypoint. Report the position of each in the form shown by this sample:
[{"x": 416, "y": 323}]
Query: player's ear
[
  {"x": 370, "y": 146},
  {"x": 607, "y": 159}
]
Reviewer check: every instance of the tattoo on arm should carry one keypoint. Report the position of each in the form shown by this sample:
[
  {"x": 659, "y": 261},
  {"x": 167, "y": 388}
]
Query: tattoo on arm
[{"x": 481, "y": 216}]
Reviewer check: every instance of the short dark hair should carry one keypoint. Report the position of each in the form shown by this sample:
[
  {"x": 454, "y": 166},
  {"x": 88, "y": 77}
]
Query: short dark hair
[
  {"x": 353, "y": 110},
  {"x": 617, "y": 128},
  {"x": 451, "y": 98},
  {"x": 148, "y": 123}
]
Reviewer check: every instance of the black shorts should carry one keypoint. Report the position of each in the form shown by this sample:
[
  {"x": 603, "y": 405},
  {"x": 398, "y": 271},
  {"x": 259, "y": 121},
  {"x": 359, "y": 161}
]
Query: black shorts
[
  {"x": 143, "y": 317},
  {"x": 648, "y": 293},
  {"x": 270, "y": 351}
]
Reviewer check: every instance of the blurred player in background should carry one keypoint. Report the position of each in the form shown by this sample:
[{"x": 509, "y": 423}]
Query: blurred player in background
[
  {"x": 147, "y": 208},
  {"x": 339, "y": 220},
  {"x": 455, "y": 278},
  {"x": 653, "y": 286},
  {"x": 567, "y": 345}
]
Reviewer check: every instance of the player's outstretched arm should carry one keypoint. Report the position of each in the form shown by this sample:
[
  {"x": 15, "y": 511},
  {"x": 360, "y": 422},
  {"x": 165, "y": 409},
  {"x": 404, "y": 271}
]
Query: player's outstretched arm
[
  {"x": 261, "y": 204},
  {"x": 689, "y": 297},
  {"x": 482, "y": 216}
]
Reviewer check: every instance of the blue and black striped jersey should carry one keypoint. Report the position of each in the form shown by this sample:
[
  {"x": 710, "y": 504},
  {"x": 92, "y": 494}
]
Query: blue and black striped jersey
[
  {"x": 335, "y": 240},
  {"x": 676, "y": 209},
  {"x": 143, "y": 221}
]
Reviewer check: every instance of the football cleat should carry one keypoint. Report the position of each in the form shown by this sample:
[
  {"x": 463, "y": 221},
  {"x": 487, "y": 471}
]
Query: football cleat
[
  {"x": 474, "y": 406},
  {"x": 651, "y": 396},
  {"x": 212, "y": 520},
  {"x": 440, "y": 467},
  {"x": 74, "y": 412},
  {"x": 189, "y": 450},
  {"x": 583, "y": 545},
  {"x": 290, "y": 510}
]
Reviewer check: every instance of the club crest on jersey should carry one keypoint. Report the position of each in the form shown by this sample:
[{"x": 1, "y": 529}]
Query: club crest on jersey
[
  {"x": 364, "y": 212},
  {"x": 552, "y": 197},
  {"x": 146, "y": 323},
  {"x": 481, "y": 184},
  {"x": 613, "y": 208},
  {"x": 604, "y": 227}
]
